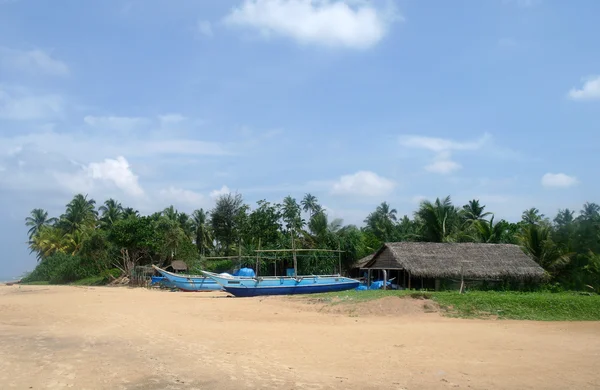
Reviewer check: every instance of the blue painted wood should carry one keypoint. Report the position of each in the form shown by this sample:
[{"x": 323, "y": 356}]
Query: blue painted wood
[
  {"x": 189, "y": 282},
  {"x": 273, "y": 285}
]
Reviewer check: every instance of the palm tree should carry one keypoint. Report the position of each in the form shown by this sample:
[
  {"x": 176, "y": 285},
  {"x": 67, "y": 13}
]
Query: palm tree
[
  {"x": 170, "y": 213},
  {"x": 438, "y": 220},
  {"x": 48, "y": 241},
  {"x": 291, "y": 213},
  {"x": 473, "y": 212},
  {"x": 532, "y": 216},
  {"x": 38, "y": 219},
  {"x": 112, "y": 211},
  {"x": 185, "y": 223},
  {"x": 536, "y": 241},
  {"x": 80, "y": 214},
  {"x": 388, "y": 213},
  {"x": 381, "y": 222},
  {"x": 130, "y": 212},
  {"x": 310, "y": 204},
  {"x": 489, "y": 232},
  {"x": 203, "y": 236}
]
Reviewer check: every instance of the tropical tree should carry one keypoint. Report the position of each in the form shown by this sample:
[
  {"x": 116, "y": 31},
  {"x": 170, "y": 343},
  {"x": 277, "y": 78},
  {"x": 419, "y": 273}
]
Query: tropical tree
[
  {"x": 438, "y": 221},
  {"x": 111, "y": 211},
  {"x": 291, "y": 214},
  {"x": 202, "y": 234},
  {"x": 473, "y": 212},
  {"x": 382, "y": 221},
  {"x": 532, "y": 216},
  {"x": 130, "y": 212},
  {"x": 38, "y": 219},
  {"x": 48, "y": 241},
  {"x": 310, "y": 204},
  {"x": 80, "y": 214},
  {"x": 171, "y": 213},
  {"x": 537, "y": 242},
  {"x": 490, "y": 232},
  {"x": 224, "y": 218}
]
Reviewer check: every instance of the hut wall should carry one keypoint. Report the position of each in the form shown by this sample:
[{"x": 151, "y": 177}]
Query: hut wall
[{"x": 386, "y": 260}]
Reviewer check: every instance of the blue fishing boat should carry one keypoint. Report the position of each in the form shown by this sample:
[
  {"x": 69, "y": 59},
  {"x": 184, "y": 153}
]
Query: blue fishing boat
[
  {"x": 241, "y": 286},
  {"x": 188, "y": 282}
]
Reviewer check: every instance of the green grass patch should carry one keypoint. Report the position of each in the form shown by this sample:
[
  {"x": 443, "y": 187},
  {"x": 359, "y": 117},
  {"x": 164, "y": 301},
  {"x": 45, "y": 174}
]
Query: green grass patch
[
  {"x": 91, "y": 281},
  {"x": 36, "y": 283},
  {"x": 538, "y": 306}
]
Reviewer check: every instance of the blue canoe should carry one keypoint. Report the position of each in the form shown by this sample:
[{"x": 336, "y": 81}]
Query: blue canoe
[
  {"x": 188, "y": 282},
  {"x": 282, "y": 285}
]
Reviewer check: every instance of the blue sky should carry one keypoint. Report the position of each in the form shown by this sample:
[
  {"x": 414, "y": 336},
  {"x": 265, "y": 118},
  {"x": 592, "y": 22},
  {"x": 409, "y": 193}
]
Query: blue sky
[{"x": 159, "y": 102}]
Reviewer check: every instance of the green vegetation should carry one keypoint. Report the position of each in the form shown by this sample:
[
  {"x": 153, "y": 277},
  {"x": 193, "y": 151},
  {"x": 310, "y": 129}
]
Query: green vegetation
[
  {"x": 86, "y": 241},
  {"x": 539, "y": 306}
]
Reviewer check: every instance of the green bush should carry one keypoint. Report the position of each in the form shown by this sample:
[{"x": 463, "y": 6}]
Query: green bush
[
  {"x": 109, "y": 274},
  {"x": 61, "y": 268}
]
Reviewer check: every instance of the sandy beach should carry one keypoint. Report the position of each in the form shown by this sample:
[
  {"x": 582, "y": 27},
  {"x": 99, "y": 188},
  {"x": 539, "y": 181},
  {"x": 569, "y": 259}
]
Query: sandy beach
[{"x": 120, "y": 338}]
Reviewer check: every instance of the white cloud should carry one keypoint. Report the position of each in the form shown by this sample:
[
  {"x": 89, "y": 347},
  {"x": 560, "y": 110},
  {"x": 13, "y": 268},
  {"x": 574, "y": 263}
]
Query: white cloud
[
  {"x": 171, "y": 119},
  {"x": 443, "y": 165},
  {"x": 558, "y": 180},
  {"x": 33, "y": 61},
  {"x": 442, "y": 144},
  {"x": 589, "y": 91},
  {"x": 182, "y": 196},
  {"x": 442, "y": 162},
  {"x": 204, "y": 28},
  {"x": 342, "y": 23},
  {"x": 120, "y": 123},
  {"x": 112, "y": 172},
  {"x": 223, "y": 191},
  {"x": 363, "y": 183},
  {"x": 20, "y": 105}
]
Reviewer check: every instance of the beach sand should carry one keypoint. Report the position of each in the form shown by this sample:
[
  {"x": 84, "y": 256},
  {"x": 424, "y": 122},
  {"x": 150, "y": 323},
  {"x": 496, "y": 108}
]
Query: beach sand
[{"x": 121, "y": 338}]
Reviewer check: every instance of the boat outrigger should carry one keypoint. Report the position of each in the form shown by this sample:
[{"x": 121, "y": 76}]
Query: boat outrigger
[{"x": 189, "y": 282}]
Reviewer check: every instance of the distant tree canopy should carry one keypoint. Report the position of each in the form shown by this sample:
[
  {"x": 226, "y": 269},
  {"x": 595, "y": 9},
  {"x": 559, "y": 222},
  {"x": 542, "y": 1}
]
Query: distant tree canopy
[{"x": 95, "y": 240}]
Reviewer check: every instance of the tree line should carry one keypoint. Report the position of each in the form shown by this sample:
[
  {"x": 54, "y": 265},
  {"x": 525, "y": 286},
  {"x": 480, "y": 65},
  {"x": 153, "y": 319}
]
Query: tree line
[{"x": 87, "y": 240}]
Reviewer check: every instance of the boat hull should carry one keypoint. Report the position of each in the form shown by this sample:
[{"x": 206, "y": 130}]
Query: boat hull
[
  {"x": 189, "y": 283},
  {"x": 290, "y": 290},
  {"x": 272, "y": 285}
]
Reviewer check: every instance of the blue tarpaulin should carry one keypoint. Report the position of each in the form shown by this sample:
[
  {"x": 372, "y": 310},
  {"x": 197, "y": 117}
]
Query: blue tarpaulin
[{"x": 249, "y": 272}]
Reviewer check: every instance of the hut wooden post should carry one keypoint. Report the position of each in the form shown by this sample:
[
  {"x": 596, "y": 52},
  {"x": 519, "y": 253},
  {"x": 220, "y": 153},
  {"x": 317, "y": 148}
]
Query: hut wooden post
[
  {"x": 409, "y": 280},
  {"x": 462, "y": 277},
  {"x": 294, "y": 253},
  {"x": 340, "y": 257},
  {"x": 257, "y": 254}
]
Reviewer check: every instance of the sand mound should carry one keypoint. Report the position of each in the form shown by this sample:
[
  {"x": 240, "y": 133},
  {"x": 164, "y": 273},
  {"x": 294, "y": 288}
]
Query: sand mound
[{"x": 383, "y": 307}]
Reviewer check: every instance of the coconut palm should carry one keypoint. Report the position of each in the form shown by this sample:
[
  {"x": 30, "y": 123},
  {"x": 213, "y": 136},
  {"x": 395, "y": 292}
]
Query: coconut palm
[
  {"x": 185, "y": 223},
  {"x": 130, "y": 212},
  {"x": 80, "y": 213},
  {"x": 537, "y": 242},
  {"x": 203, "y": 236},
  {"x": 38, "y": 219},
  {"x": 489, "y": 232},
  {"x": 112, "y": 211},
  {"x": 171, "y": 213},
  {"x": 48, "y": 241},
  {"x": 473, "y": 212},
  {"x": 532, "y": 216},
  {"x": 310, "y": 204},
  {"x": 438, "y": 220}
]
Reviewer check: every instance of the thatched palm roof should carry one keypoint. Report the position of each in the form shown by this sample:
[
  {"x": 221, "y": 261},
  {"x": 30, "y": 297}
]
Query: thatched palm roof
[
  {"x": 445, "y": 260},
  {"x": 179, "y": 265},
  {"x": 362, "y": 262}
]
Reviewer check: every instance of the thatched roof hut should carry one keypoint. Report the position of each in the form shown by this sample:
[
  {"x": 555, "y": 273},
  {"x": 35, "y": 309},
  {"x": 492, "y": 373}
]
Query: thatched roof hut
[
  {"x": 364, "y": 261},
  {"x": 450, "y": 260},
  {"x": 179, "y": 266}
]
